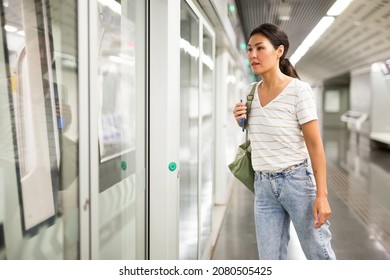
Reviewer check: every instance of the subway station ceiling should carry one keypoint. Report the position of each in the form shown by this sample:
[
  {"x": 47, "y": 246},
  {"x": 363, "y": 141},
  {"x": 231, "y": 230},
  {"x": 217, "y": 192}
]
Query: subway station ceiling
[
  {"x": 360, "y": 36},
  {"x": 304, "y": 15}
]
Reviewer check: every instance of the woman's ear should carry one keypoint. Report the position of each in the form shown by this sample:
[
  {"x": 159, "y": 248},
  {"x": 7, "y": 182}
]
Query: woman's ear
[{"x": 280, "y": 51}]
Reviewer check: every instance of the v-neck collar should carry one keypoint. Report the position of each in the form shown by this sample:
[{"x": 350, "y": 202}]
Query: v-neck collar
[{"x": 276, "y": 97}]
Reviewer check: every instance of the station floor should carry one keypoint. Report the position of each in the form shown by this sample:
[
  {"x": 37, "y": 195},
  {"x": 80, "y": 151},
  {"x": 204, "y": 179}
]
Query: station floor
[{"x": 358, "y": 177}]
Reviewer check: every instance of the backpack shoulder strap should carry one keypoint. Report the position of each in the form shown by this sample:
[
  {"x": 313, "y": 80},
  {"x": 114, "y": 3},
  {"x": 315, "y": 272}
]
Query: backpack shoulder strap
[{"x": 249, "y": 99}]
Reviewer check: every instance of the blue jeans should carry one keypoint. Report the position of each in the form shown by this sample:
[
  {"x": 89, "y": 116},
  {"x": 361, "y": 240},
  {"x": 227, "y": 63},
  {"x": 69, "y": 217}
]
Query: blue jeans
[{"x": 282, "y": 196}]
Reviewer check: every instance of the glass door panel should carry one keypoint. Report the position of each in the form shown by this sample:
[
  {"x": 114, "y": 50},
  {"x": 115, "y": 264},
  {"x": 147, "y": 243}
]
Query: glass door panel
[
  {"x": 39, "y": 195},
  {"x": 189, "y": 132},
  {"x": 207, "y": 138},
  {"x": 196, "y": 133},
  {"x": 121, "y": 127}
]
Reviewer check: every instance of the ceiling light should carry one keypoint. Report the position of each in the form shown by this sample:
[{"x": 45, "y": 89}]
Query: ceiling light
[
  {"x": 284, "y": 11},
  {"x": 113, "y": 5},
  {"x": 317, "y": 31},
  {"x": 297, "y": 55},
  {"x": 338, "y": 7},
  {"x": 313, "y": 36},
  {"x": 10, "y": 28}
]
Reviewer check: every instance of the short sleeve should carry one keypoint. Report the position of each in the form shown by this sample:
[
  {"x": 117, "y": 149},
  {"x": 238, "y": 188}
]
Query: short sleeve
[{"x": 306, "y": 106}]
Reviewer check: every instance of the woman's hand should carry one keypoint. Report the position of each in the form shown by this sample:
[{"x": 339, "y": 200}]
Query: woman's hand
[
  {"x": 239, "y": 112},
  {"x": 321, "y": 211}
]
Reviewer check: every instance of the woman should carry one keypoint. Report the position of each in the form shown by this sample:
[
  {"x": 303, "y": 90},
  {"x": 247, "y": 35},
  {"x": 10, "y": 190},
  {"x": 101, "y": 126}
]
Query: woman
[{"x": 284, "y": 134}]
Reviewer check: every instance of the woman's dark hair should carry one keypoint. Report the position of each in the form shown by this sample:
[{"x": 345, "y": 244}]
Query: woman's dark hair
[{"x": 277, "y": 37}]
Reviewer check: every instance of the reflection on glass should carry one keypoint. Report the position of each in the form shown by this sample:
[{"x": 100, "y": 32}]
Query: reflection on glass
[
  {"x": 116, "y": 93},
  {"x": 120, "y": 23},
  {"x": 207, "y": 144},
  {"x": 40, "y": 138},
  {"x": 189, "y": 121},
  {"x": 234, "y": 95}
]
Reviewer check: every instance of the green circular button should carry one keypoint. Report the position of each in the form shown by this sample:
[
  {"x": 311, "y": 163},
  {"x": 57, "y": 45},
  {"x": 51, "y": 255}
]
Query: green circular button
[
  {"x": 123, "y": 165},
  {"x": 172, "y": 166}
]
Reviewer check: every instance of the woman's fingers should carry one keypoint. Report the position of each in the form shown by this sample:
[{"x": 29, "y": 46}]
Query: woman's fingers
[{"x": 239, "y": 111}]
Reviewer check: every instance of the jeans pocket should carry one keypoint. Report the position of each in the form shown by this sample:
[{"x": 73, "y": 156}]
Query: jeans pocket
[
  {"x": 303, "y": 181},
  {"x": 310, "y": 175},
  {"x": 299, "y": 174}
]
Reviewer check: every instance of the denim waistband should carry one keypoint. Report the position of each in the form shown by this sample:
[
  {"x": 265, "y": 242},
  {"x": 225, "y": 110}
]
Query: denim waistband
[{"x": 283, "y": 172}]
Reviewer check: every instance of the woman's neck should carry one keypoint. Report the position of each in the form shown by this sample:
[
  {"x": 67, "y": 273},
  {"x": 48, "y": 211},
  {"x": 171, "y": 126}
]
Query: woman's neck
[{"x": 273, "y": 79}]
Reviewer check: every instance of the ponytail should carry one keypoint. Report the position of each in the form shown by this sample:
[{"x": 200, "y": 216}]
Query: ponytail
[{"x": 287, "y": 68}]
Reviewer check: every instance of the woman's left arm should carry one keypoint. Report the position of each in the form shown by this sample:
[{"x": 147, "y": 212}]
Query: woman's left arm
[{"x": 321, "y": 207}]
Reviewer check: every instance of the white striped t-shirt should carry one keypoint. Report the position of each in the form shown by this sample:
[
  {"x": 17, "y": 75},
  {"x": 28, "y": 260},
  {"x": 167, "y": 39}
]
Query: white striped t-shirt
[{"x": 274, "y": 130}]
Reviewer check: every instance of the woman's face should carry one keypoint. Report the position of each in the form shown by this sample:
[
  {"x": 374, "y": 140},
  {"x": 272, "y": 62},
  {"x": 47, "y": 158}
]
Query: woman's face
[{"x": 262, "y": 55}]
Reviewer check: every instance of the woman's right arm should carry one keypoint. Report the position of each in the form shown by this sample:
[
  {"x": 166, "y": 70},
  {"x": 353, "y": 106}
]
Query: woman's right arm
[{"x": 239, "y": 112}]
